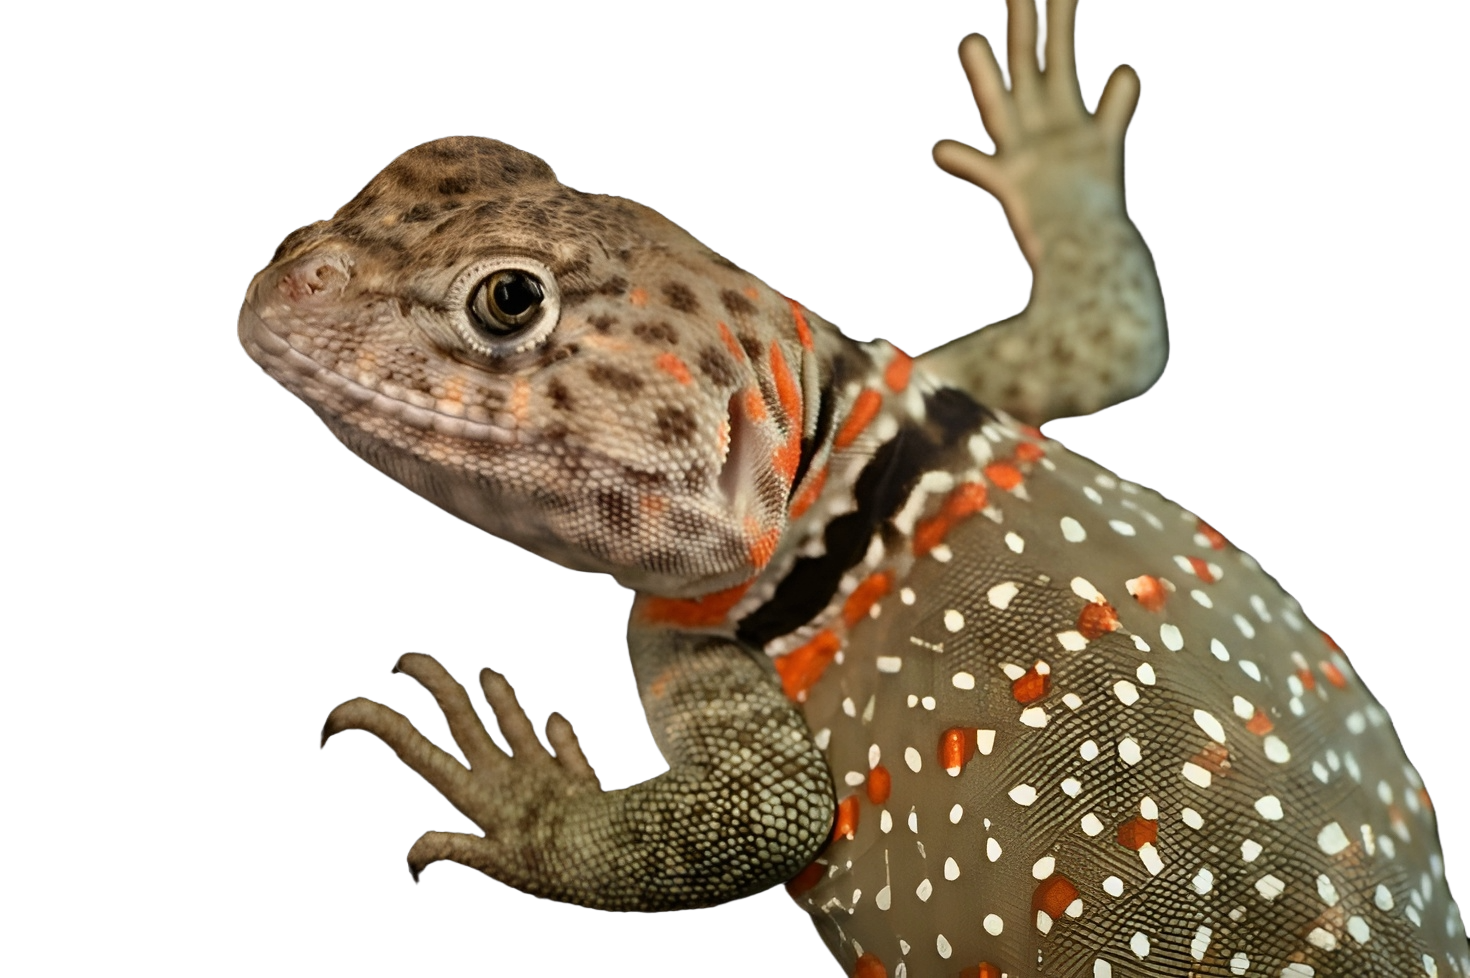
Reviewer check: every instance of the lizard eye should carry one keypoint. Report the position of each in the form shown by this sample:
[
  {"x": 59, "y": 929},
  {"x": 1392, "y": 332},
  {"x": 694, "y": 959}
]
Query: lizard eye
[
  {"x": 507, "y": 301},
  {"x": 505, "y": 305}
]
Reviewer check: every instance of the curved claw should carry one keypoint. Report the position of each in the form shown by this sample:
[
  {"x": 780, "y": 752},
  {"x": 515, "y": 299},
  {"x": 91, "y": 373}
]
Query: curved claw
[
  {"x": 464, "y": 724},
  {"x": 433, "y": 847},
  {"x": 434, "y": 765}
]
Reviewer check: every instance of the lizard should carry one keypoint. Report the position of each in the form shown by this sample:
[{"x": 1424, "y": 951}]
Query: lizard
[{"x": 1032, "y": 478}]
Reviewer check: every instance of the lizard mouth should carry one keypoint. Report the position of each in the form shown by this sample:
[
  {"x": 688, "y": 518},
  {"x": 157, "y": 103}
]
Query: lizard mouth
[{"x": 737, "y": 476}]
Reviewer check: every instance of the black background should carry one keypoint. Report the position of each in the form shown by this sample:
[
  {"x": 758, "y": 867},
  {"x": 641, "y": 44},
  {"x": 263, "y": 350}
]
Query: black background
[{"x": 1266, "y": 168}]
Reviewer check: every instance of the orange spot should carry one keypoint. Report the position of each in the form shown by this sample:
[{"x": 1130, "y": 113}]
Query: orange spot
[
  {"x": 1003, "y": 474},
  {"x": 1214, "y": 758},
  {"x": 1330, "y": 643},
  {"x": 1424, "y": 797},
  {"x": 800, "y": 668},
  {"x": 1305, "y": 675},
  {"x": 754, "y": 404},
  {"x": 1260, "y": 724},
  {"x": 864, "y": 596},
  {"x": 1029, "y": 452},
  {"x": 1032, "y": 431},
  {"x": 1148, "y": 590},
  {"x": 1031, "y": 687},
  {"x": 847, "y": 818},
  {"x": 880, "y": 785},
  {"x": 809, "y": 493},
  {"x": 638, "y": 296},
  {"x": 963, "y": 500},
  {"x": 864, "y": 410},
  {"x": 868, "y": 966},
  {"x": 674, "y": 367},
  {"x": 520, "y": 399},
  {"x": 983, "y": 970},
  {"x": 653, "y": 505},
  {"x": 956, "y": 747},
  {"x": 803, "y": 333},
  {"x": 1334, "y": 675},
  {"x": 786, "y": 458},
  {"x": 1201, "y": 570},
  {"x": 786, "y": 391},
  {"x": 731, "y": 344},
  {"x": 709, "y": 609},
  {"x": 1211, "y": 534},
  {"x": 1097, "y": 619},
  {"x": 806, "y": 879},
  {"x": 751, "y": 293},
  {"x": 763, "y": 547},
  {"x": 1054, "y": 895},
  {"x": 1138, "y": 832},
  {"x": 896, "y": 374}
]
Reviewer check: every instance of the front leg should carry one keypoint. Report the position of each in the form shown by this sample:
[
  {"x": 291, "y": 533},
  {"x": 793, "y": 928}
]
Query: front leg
[
  {"x": 746, "y": 803},
  {"x": 1094, "y": 332}
]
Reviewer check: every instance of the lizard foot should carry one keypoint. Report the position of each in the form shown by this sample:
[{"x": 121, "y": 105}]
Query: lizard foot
[
  {"x": 504, "y": 794},
  {"x": 1048, "y": 149}
]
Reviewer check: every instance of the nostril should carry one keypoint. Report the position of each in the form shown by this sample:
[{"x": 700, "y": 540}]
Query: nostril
[{"x": 313, "y": 276}]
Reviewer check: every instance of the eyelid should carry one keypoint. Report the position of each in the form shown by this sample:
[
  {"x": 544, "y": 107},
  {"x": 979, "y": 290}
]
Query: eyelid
[{"x": 462, "y": 292}]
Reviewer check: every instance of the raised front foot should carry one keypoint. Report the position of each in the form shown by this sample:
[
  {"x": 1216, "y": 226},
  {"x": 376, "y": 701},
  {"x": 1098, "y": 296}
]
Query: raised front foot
[{"x": 513, "y": 798}]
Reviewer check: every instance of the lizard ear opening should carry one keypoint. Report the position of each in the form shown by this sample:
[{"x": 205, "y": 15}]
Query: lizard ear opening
[{"x": 505, "y": 305}]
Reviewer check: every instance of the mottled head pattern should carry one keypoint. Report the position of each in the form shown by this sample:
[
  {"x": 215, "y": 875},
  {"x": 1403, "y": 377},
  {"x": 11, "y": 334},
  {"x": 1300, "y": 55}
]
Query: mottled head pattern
[{"x": 652, "y": 420}]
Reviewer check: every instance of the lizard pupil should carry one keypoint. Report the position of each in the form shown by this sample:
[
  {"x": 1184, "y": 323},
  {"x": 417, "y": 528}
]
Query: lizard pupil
[{"x": 507, "y": 301}]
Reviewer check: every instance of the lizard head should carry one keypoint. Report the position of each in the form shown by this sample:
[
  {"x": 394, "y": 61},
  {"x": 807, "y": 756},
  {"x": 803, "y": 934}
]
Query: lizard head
[{"x": 571, "y": 372}]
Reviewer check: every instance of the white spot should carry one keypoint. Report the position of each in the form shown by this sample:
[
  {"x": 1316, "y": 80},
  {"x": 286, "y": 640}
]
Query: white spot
[
  {"x": 913, "y": 701},
  {"x": 963, "y": 680},
  {"x": 942, "y": 553},
  {"x": 1204, "y": 881},
  {"x": 1121, "y": 528},
  {"x": 951, "y": 869},
  {"x": 1326, "y": 890},
  {"x": 928, "y": 702},
  {"x": 1126, "y": 692},
  {"x": 1129, "y": 751},
  {"x": 1151, "y": 860},
  {"x": 1023, "y": 794},
  {"x": 875, "y": 754},
  {"x": 1091, "y": 824},
  {"x": 1146, "y": 674},
  {"x": 1072, "y": 641},
  {"x": 1239, "y": 964},
  {"x": 1083, "y": 588},
  {"x": 885, "y": 821},
  {"x": 912, "y": 759},
  {"x": 1012, "y": 671},
  {"x": 953, "y": 620},
  {"x": 1105, "y": 480},
  {"x": 1043, "y": 921},
  {"x": 993, "y": 925},
  {"x": 1323, "y": 939},
  {"x": 1138, "y": 943},
  {"x": 1113, "y": 886},
  {"x": 906, "y": 595},
  {"x": 1250, "y": 849},
  {"x": 1071, "y": 787},
  {"x": 1000, "y": 596},
  {"x": 854, "y": 778},
  {"x": 1382, "y": 899},
  {"x": 1200, "y": 944},
  {"x": 1320, "y": 770},
  {"x": 1192, "y": 818},
  {"x": 822, "y": 738},
  {"x": 848, "y": 706},
  {"x": 1201, "y": 598},
  {"x": 1195, "y": 774},
  {"x": 1072, "y": 701},
  {"x": 1250, "y": 669},
  {"x": 1218, "y": 650},
  {"x": 1072, "y": 531},
  {"x": 884, "y": 899},
  {"x": 1034, "y": 716},
  {"x": 1148, "y": 808},
  {"x": 890, "y": 663},
  {"x": 1210, "y": 726},
  {"x": 1139, "y": 643},
  {"x": 992, "y": 850},
  {"x": 1298, "y": 970},
  {"x": 1356, "y": 722},
  {"x": 942, "y": 946},
  {"x": 1074, "y": 909},
  {"x": 914, "y": 822},
  {"x": 1332, "y": 839},
  {"x": 1101, "y": 969},
  {"x": 1014, "y": 541},
  {"x": 985, "y": 741},
  {"x": 925, "y": 890},
  {"x": 1092, "y": 494},
  {"x": 1088, "y": 750},
  {"x": 1358, "y": 929},
  {"x": 1043, "y": 867},
  {"x": 1246, "y": 628},
  {"x": 1169, "y": 635},
  {"x": 1269, "y": 807},
  {"x": 1243, "y": 707},
  {"x": 956, "y": 813},
  {"x": 1270, "y": 887}
]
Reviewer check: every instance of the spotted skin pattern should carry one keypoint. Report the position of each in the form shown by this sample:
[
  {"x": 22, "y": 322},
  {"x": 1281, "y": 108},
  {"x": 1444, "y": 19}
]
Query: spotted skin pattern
[{"x": 986, "y": 709}]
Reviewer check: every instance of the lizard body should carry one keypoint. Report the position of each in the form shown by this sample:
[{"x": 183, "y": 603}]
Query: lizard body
[{"x": 950, "y": 462}]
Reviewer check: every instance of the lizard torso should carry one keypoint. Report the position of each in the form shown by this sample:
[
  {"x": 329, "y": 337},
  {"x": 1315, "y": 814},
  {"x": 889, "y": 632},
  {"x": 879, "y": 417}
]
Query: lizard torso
[{"x": 1069, "y": 729}]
